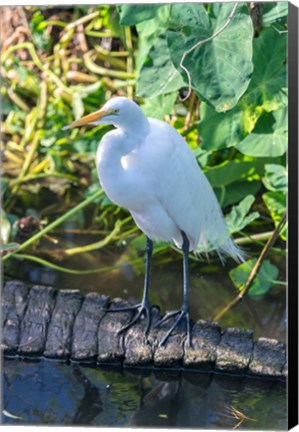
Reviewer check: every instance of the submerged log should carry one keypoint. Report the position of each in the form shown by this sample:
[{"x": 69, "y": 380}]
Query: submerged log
[{"x": 40, "y": 321}]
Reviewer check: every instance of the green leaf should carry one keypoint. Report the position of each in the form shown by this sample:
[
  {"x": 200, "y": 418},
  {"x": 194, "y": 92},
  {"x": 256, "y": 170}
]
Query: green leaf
[
  {"x": 268, "y": 138},
  {"x": 238, "y": 218},
  {"x": 235, "y": 192},
  {"x": 134, "y": 14},
  {"x": 276, "y": 204},
  {"x": 39, "y": 33},
  {"x": 274, "y": 12},
  {"x": 269, "y": 81},
  {"x": 231, "y": 171},
  {"x": 159, "y": 106},
  {"x": 263, "y": 281},
  {"x": 158, "y": 75},
  {"x": 139, "y": 243},
  {"x": 276, "y": 179},
  {"x": 148, "y": 32},
  {"x": 221, "y": 68},
  {"x": 219, "y": 130}
]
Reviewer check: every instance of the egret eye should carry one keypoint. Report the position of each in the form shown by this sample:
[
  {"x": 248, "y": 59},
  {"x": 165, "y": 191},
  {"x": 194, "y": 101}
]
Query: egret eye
[{"x": 116, "y": 111}]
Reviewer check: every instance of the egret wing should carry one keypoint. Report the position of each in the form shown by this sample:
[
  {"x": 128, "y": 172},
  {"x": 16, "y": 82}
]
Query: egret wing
[{"x": 185, "y": 193}]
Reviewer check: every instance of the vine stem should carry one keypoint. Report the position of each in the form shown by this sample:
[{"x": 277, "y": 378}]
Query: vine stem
[
  {"x": 36, "y": 60},
  {"x": 255, "y": 269},
  {"x": 227, "y": 22},
  {"x": 63, "y": 269}
]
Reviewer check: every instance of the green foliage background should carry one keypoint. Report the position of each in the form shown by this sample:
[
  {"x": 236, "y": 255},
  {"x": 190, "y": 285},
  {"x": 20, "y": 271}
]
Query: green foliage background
[{"x": 73, "y": 59}]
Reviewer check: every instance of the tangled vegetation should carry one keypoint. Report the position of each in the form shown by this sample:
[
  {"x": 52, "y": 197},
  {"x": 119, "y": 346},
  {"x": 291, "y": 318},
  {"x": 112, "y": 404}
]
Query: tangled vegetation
[{"x": 61, "y": 63}]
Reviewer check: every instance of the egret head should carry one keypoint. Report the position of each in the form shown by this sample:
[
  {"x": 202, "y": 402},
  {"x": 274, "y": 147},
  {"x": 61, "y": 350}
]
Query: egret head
[{"x": 119, "y": 111}]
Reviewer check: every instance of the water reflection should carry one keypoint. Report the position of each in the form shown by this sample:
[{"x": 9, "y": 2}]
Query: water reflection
[{"x": 52, "y": 393}]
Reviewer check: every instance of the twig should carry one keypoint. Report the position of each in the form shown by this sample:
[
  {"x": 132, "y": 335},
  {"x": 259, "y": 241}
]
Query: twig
[
  {"x": 190, "y": 111},
  {"x": 238, "y": 415},
  {"x": 81, "y": 38},
  {"x": 200, "y": 43},
  {"x": 254, "y": 238},
  {"x": 255, "y": 269}
]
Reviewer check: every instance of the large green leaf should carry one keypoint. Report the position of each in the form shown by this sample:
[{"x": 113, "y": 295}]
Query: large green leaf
[
  {"x": 219, "y": 130},
  {"x": 238, "y": 218},
  {"x": 268, "y": 138},
  {"x": 235, "y": 192},
  {"x": 158, "y": 75},
  {"x": 276, "y": 179},
  {"x": 268, "y": 84},
  {"x": 159, "y": 106},
  {"x": 221, "y": 68},
  {"x": 276, "y": 204},
  {"x": 231, "y": 171},
  {"x": 134, "y": 14},
  {"x": 274, "y": 12},
  {"x": 263, "y": 281},
  {"x": 148, "y": 32}
]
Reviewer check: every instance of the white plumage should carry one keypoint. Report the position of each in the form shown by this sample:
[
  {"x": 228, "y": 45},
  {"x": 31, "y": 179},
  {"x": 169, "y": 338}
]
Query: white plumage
[{"x": 146, "y": 166}]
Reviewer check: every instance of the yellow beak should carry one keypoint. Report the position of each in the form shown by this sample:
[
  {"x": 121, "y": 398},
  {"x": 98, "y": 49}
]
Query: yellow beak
[{"x": 90, "y": 118}]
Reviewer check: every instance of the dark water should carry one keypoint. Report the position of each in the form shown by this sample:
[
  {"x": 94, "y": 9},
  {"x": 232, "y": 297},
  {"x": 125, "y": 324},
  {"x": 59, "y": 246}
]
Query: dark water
[{"x": 50, "y": 392}]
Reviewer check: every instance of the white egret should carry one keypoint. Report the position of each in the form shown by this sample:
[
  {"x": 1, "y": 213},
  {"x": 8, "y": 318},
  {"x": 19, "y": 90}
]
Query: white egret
[{"x": 145, "y": 166}]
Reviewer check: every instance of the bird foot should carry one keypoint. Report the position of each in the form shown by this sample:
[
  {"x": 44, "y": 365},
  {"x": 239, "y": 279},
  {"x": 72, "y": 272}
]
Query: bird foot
[
  {"x": 181, "y": 314},
  {"x": 140, "y": 309}
]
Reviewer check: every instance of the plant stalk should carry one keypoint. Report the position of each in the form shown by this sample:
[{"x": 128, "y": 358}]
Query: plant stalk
[{"x": 255, "y": 269}]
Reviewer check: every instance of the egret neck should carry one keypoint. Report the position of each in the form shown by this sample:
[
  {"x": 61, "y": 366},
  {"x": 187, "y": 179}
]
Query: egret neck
[{"x": 134, "y": 125}]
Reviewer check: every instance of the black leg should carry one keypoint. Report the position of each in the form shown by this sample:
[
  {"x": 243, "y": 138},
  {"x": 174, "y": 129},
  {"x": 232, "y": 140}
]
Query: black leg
[
  {"x": 143, "y": 308},
  {"x": 184, "y": 311},
  {"x": 149, "y": 251},
  {"x": 185, "y": 248}
]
